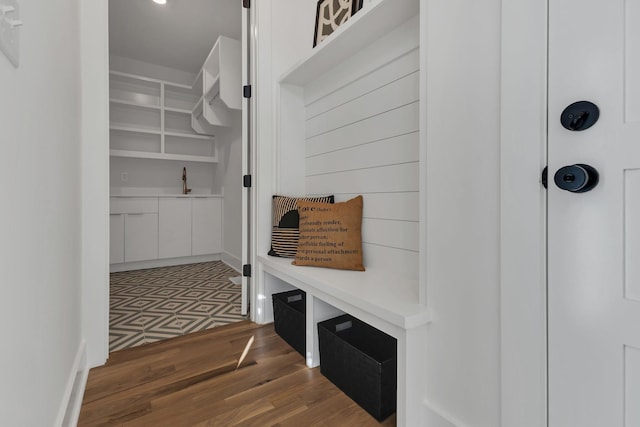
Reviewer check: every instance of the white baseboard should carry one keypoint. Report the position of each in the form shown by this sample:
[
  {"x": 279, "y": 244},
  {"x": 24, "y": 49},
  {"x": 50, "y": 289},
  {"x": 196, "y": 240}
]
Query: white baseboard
[
  {"x": 232, "y": 261},
  {"x": 436, "y": 417},
  {"x": 72, "y": 400},
  {"x": 155, "y": 263}
]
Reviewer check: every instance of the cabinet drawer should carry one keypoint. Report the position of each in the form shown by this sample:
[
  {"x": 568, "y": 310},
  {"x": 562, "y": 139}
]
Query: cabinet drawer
[{"x": 133, "y": 205}]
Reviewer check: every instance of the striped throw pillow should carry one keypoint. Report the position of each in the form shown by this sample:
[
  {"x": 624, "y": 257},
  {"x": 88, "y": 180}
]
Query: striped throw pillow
[{"x": 285, "y": 230}]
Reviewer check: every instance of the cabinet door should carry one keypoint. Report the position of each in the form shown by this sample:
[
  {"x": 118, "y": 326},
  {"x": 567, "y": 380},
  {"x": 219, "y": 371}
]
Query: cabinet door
[
  {"x": 141, "y": 237},
  {"x": 116, "y": 238},
  {"x": 175, "y": 227},
  {"x": 207, "y": 226}
]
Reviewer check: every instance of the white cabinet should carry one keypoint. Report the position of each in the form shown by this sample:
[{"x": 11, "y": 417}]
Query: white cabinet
[
  {"x": 174, "y": 227},
  {"x": 116, "y": 238},
  {"x": 140, "y": 237},
  {"x": 152, "y": 228},
  {"x": 134, "y": 229},
  {"x": 206, "y": 226}
]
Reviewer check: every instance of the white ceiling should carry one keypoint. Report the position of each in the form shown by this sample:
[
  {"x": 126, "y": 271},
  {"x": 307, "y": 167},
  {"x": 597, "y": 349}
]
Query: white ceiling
[{"x": 179, "y": 34}]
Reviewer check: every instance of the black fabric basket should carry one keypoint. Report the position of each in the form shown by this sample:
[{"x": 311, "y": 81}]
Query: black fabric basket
[
  {"x": 289, "y": 310},
  {"x": 361, "y": 361}
]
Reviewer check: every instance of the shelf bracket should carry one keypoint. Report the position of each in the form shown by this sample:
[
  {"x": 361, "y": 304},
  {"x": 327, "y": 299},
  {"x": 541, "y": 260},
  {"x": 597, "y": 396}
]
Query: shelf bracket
[
  {"x": 246, "y": 181},
  {"x": 246, "y": 4}
]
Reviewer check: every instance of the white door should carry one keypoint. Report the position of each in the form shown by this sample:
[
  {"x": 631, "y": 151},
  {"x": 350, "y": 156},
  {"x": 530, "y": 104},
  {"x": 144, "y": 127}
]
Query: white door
[{"x": 594, "y": 237}]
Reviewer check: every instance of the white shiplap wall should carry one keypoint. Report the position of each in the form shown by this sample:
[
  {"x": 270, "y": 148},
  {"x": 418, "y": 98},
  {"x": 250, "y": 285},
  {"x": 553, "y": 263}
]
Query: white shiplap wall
[{"x": 362, "y": 137}]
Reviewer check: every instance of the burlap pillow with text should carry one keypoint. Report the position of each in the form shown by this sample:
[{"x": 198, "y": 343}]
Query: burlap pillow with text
[{"x": 330, "y": 235}]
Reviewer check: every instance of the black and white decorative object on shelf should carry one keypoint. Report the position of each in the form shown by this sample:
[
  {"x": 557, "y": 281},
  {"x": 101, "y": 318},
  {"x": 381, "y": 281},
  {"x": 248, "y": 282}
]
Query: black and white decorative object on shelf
[{"x": 331, "y": 14}]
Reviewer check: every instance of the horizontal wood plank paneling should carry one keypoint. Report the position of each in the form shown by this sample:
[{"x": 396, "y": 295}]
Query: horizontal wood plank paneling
[
  {"x": 395, "y": 70},
  {"x": 392, "y": 95},
  {"x": 392, "y": 123},
  {"x": 396, "y": 150},
  {"x": 398, "y": 206},
  {"x": 392, "y": 233},
  {"x": 362, "y": 137},
  {"x": 402, "y": 262},
  {"x": 385, "y": 179}
]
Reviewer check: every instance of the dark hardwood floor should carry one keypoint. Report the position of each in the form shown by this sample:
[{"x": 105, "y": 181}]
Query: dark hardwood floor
[{"x": 192, "y": 381}]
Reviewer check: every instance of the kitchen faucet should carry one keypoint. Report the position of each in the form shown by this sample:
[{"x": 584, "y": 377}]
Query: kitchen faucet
[{"x": 185, "y": 190}]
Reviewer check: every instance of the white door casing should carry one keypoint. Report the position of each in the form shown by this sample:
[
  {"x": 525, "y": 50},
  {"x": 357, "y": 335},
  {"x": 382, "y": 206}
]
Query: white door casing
[{"x": 594, "y": 237}]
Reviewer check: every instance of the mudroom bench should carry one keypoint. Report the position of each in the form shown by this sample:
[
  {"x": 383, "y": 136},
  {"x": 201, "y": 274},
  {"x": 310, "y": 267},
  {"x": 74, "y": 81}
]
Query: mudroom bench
[{"x": 386, "y": 302}]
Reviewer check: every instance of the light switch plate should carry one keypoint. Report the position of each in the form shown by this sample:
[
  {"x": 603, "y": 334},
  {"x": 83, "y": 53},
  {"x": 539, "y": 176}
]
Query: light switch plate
[{"x": 10, "y": 35}]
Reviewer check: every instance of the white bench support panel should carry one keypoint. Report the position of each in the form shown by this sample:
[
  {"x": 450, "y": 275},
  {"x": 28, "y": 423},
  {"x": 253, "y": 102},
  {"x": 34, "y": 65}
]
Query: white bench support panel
[{"x": 389, "y": 304}]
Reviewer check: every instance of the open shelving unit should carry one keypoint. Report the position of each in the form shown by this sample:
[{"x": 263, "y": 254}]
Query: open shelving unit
[
  {"x": 158, "y": 119},
  {"x": 149, "y": 120}
]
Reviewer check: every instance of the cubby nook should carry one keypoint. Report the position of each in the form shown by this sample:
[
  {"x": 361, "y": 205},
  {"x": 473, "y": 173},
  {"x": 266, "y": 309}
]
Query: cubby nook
[{"x": 347, "y": 123}]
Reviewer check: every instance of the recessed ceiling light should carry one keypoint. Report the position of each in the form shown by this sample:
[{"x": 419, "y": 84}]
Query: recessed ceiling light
[{"x": 160, "y": 1}]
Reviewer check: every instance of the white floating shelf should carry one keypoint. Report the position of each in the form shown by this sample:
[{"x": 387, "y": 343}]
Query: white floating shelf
[
  {"x": 189, "y": 135},
  {"x": 364, "y": 28},
  {"x": 135, "y": 129},
  {"x": 135, "y": 104},
  {"x": 177, "y": 110},
  {"x": 162, "y": 156}
]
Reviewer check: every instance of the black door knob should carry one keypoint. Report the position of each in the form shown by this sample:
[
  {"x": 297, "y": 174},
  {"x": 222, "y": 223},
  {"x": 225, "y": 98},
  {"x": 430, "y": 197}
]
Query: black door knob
[
  {"x": 576, "y": 178},
  {"x": 580, "y": 115}
]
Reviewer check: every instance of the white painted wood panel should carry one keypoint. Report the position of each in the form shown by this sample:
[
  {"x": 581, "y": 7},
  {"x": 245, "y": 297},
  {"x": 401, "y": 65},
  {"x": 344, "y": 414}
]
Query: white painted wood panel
[
  {"x": 401, "y": 149},
  {"x": 384, "y": 51},
  {"x": 133, "y": 205},
  {"x": 392, "y": 71},
  {"x": 395, "y": 234},
  {"x": 396, "y": 261},
  {"x": 206, "y": 228},
  {"x": 632, "y": 386},
  {"x": 632, "y": 61},
  {"x": 140, "y": 237},
  {"x": 393, "y": 123},
  {"x": 174, "y": 219},
  {"x": 393, "y": 95},
  {"x": 116, "y": 238},
  {"x": 632, "y": 234},
  {"x": 385, "y": 179},
  {"x": 398, "y": 206}
]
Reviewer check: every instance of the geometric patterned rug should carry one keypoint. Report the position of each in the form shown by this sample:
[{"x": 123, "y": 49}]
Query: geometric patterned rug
[{"x": 159, "y": 303}]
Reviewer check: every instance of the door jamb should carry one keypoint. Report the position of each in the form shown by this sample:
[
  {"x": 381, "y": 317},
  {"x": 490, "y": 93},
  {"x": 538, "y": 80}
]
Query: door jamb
[{"x": 523, "y": 298}]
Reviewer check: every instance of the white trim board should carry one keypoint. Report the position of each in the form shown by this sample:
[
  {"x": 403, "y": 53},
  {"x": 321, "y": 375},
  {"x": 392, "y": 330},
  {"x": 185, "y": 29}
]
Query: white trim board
[
  {"x": 435, "y": 417},
  {"x": 74, "y": 392},
  {"x": 166, "y": 262},
  {"x": 523, "y": 214},
  {"x": 232, "y": 261}
]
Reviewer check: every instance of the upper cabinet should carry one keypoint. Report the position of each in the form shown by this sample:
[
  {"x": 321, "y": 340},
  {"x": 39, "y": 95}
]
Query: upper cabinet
[{"x": 157, "y": 119}]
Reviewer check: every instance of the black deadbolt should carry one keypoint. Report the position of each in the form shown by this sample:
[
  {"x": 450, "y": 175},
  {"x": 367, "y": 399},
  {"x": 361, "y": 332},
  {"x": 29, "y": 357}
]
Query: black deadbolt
[
  {"x": 576, "y": 178},
  {"x": 580, "y": 115}
]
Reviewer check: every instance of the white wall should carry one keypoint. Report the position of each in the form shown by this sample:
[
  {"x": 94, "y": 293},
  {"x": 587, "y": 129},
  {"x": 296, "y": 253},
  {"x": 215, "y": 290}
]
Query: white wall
[
  {"x": 40, "y": 226},
  {"x": 463, "y": 164},
  {"x": 152, "y": 176}
]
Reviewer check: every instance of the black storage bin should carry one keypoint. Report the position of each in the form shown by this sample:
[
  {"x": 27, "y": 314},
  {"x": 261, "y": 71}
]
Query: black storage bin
[
  {"x": 289, "y": 310},
  {"x": 361, "y": 361}
]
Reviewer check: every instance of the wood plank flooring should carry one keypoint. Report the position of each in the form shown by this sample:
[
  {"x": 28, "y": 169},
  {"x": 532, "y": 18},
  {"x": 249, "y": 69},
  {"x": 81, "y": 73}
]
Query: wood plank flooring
[{"x": 191, "y": 381}]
